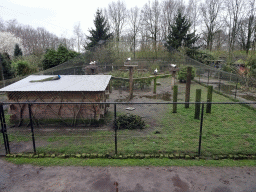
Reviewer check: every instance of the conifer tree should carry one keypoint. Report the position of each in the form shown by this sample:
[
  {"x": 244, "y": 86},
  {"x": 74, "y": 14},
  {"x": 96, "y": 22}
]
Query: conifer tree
[
  {"x": 17, "y": 51},
  {"x": 101, "y": 31},
  {"x": 178, "y": 35}
]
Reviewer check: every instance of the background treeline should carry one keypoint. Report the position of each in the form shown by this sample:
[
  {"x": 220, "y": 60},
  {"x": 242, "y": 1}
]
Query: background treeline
[{"x": 225, "y": 29}]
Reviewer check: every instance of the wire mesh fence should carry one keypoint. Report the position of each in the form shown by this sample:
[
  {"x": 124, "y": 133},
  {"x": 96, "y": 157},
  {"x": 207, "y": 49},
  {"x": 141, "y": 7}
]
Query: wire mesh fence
[{"x": 228, "y": 129}]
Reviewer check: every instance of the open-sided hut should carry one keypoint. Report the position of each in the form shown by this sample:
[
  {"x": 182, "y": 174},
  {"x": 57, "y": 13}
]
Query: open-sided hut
[{"x": 67, "y": 88}]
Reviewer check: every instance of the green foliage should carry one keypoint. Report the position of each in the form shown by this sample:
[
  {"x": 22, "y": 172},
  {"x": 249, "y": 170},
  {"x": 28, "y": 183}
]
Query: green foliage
[
  {"x": 129, "y": 121},
  {"x": 6, "y": 64},
  {"x": 142, "y": 83},
  {"x": 53, "y": 58},
  {"x": 178, "y": 35},
  {"x": 201, "y": 56},
  {"x": 17, "y": 51},
  {"x": 182, "y": 74},
  {"x": 101, "y": 31},
  {"x": 251, "y": 65},
  {"x": 22, "y": 68}
]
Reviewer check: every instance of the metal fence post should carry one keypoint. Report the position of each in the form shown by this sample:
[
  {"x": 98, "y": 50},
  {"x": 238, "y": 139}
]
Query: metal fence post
[
  {"x": 208, "y": 76},
  {"x": 236, "y": 87},
  {"x": 115, "y": 126},
  {"x": 201, "y": 128},
  {"x": 32, "y": 128},
  {"x": 219, "y": 80},
  {"x": 4, "y": 131}
]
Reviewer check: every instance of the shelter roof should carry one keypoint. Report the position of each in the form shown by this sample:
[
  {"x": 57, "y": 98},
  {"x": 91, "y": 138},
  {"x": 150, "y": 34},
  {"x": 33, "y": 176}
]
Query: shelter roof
[{"x": 65, "y": 83}]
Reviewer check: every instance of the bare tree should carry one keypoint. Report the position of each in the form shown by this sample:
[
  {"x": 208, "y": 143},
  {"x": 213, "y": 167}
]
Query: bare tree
[
  {"x": 151, "y": 14},
  {"x": 210, "y": 12},
  {"x": 193, "y": 13},
  {"x": 234, "y": 10},
  {"x": 135, "y": 25},
  {"x": 247, "y": 27},
  {"x": 169, "y": 8},
  {"x": 117, "y": 15},
  {"x": 78, "y": 32}
]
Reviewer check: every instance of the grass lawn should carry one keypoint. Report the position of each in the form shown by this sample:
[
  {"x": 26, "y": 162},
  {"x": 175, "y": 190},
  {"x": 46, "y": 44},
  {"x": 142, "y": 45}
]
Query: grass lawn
[
  {"x": 131, "y": 162},
  {"x": 229, "y": 129}
]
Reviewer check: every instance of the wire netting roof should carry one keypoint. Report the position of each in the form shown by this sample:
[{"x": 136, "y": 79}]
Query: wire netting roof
[{"x": 65, "y": 83}]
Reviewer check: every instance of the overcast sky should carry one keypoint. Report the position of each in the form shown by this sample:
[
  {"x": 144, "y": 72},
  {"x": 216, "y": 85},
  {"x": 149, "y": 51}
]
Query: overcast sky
[{"x": 57, "y": 16}]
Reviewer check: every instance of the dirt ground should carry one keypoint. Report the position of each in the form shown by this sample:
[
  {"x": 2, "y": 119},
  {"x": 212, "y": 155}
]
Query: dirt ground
[{"x": 26, "y": 178}]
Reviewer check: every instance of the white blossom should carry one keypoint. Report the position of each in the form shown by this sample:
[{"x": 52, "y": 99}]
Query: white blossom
[{"x": 8, "y": 42}]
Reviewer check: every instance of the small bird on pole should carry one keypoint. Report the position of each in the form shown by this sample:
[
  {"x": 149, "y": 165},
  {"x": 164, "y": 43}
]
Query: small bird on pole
[
  {"x": 155, "y": 72},
  {"x": 128, "y": 59}
]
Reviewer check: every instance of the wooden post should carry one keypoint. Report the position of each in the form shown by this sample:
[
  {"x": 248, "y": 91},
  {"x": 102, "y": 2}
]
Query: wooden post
[
  {"x": 188, "y": 84},
  {"x": 131, "y": 82},
  {"x": 209, "y": 99},
  {"x": 154, "y": 91},
  {"x": 175, "y": 98},
  {"x": 197, "y": 105},
  {"x": 173, "y": 79},
  {"x": 110, "y": 86}
]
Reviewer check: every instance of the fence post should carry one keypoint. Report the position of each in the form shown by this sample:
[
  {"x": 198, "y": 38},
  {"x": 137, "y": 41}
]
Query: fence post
[
  {"x": 188, "y": 84},
  {"x": 115, "y": 127},
  {"x": 219, "y": 80},
  {"x": 199, "y": 75},
  {"x": 154, "y": 91},
  {"x": 175, "y": 98},
  {"x": 236, "y": 87},
  {"x": 4, "y": 131},
  {"x": 197, "y": 105},
  {"x": 209, "y": 99},
  {"x": 32, "y": 128},
  {"x": 208, "y": 76},
  {"x": 201, "y": 129}
]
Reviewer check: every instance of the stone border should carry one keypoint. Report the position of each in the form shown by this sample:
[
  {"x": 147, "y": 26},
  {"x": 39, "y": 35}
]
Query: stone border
[{"x": 131, "y": 156}]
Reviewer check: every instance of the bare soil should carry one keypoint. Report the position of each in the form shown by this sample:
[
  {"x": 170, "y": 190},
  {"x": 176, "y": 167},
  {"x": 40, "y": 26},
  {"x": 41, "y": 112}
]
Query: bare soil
[{"x": 26, "y": 178}]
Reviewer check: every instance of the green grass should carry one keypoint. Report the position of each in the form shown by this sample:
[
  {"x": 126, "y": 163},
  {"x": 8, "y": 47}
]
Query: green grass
[
  {"x": 130, "y": 162},
  {"x": 229, "y": 129}
]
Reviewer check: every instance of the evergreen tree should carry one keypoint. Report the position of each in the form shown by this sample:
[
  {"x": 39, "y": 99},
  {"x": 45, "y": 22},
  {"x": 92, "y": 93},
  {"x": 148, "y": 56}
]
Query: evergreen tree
[
  {"x": 53, "y": 58},
  {"x": 100, "y": 33},
  {"x": 5, "y": 60},
  {"x": 17, "y": 51},
  {"x": 178, "y": 35}
]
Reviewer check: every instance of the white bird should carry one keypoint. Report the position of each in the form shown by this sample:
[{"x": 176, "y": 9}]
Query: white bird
[
  {"x": 173, "y": 65},
  {"x": 128, "y": 59},
  {"x": 92, "y": 63},
  {"x": 155, "y": 72}
]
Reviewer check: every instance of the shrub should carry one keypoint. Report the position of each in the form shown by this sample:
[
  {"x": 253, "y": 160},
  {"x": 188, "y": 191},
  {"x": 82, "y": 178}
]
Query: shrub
[
  {"x": 130, "y": 122},
  {"x": 182, "y": 74}
]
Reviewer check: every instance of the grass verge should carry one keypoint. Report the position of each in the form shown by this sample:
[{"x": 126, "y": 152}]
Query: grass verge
[{"x": 130, "y": 162}]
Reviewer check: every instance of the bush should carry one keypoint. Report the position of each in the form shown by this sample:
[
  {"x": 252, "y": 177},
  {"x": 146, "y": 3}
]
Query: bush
[
  {"x": 130, "y": 122},
  {"x": 182, "y": 74}
]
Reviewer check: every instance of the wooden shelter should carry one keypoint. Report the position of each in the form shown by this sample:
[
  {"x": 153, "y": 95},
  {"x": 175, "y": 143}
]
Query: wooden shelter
[{"x": 68, "y": 88}]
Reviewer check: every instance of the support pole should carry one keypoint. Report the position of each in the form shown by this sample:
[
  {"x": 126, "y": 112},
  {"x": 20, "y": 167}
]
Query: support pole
[
  {"x": 4, "y": 131},
  {"x": 188, "y": 84},
  {"x": 115, "y": 127},
  {"x": 219, "y": 80},
  {"x": 32, "y": 128},
  {"x": 131, "y": 81},
  {"x": 201, "y": 130},
  {"x": 154, "y": 91},
  {"x": 197, "y": 105},
  {"x": 208, "y": 76},
  {"x": 209, "y": 99},
  {"x": 175, "y": 98},
  {"x": 236, "y": 87}
]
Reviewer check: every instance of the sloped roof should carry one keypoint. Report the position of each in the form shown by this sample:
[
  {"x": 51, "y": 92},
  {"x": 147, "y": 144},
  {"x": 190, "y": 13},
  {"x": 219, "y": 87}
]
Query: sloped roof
[{"x": 65, "y": 83}]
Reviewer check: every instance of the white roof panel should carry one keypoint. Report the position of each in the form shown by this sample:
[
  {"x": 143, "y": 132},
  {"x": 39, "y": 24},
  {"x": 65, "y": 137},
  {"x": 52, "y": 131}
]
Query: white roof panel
[{"x": 65, "y": 83}]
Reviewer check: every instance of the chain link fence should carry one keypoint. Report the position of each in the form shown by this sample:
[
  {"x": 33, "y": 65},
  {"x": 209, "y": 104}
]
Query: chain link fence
[{"x": 228, "y": 130}]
